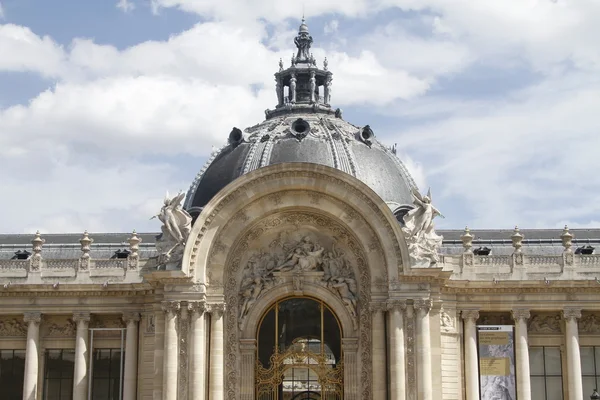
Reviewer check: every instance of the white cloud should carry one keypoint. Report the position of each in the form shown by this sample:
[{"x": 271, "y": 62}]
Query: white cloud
[
  {"x": 331, "y": 26},
  {"x": 125, "y": 5}
]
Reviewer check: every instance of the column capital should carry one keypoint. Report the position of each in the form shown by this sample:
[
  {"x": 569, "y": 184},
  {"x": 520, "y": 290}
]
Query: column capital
[
  {"x": 131, "y": 316},
  {"x": 396, "y": 305},
  {"x": 423, "y": 304},
  {"x": 571, "y": 314},
  {"x": 171, "y": 307},
  {"x": 520, "y": 314},
  {"x": 35, "y": 317},
  {"x": 377, "y": 306},
  {"x": 197, "y": 307},
  {"x": 470, "y": 315},
  {"x": 81, "y": 316},
  {"x": 216, "y": 309}
]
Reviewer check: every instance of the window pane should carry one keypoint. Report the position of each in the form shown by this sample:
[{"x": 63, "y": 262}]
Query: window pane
[
  {"x": 597, "y": 351},
  {"x": 587, "y": 360},
  {"x": 538, "y": 388},
  {"x": 554, "y": 388},
  {"x": 589, "y": 384},
  {"x": 536, "y": 360},
  {"x": 68, "y": 364},
  {"x": 553, "y": 363},
  {"x": 66, "y": 389},
  {"x": 52, "y": 389}
]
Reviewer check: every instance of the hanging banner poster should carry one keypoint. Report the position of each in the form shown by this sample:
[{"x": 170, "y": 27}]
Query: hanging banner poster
[{"x": 497, "y": 379}]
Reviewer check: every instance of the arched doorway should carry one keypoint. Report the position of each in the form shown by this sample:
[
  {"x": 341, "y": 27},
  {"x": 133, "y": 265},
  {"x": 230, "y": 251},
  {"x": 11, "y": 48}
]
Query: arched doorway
[{"x": 299, "y": 352}]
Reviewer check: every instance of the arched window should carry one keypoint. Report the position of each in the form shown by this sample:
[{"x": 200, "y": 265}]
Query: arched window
[{"x": 299, "y": 352}]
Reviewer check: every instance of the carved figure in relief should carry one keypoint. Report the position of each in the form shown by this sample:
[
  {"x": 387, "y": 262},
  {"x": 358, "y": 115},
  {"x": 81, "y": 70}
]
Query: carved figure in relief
[
  {"x": 548, "y": 324},
  {"x": 13, "y": 327},
  {"x": 177, "y": 224},
  {"x": 590, "y": 324},
  {"x": 263, "y": 271},
  {"x": 423, "y": 242},
  {"x": 447, "y": 323}
]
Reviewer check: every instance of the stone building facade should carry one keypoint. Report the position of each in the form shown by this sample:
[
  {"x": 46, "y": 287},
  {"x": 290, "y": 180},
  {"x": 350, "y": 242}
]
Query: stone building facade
[{"x": 302, "y": 264}]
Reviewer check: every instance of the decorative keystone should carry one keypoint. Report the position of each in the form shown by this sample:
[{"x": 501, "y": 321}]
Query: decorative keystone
[
  {"x": 567, "y": 238},
  {"x": 467, "y": 240},
  {"x": 517, "y": 240}
]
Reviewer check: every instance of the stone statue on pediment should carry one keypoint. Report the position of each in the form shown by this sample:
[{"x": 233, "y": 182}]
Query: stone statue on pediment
[
  {"x": 423, "y": 242},
  {"x": 175, "y": 229}
]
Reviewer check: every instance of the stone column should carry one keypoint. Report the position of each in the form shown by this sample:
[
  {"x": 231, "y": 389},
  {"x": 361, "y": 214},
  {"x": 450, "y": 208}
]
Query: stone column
[
  {"x": 248, "y": 361},
  {"x": 80, "y": 377},
  {"x": 378, "y": 351},
  {"x": 351, "y": 370},
  {"x": 32, "y": 355},
  {"x": 217, "y": 368},
  {"x": 198, "y": 351},
  {"x": 471, "y": 360},
  {"x": 424, "y": 375},
  {"x": 571, "y": 315},
  {"x": 522, "y": 351},
  {"x": 159, "y": 352},
  {"x": 131, "y": 320},
  {"x": 171, "y": 309},
  {"x": 397, "y": 353}
]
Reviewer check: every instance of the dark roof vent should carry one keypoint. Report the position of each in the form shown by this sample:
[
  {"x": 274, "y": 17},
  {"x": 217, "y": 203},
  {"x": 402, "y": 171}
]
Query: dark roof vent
[
  {"x": 300, "y": 128},
  {"x": 366, "y": 135},
  {"x": 482, "y": 251},
  {"x": 235, "y": 137},
  {"x": 121, "y": 254},
  {"x": 585, "y": 250},
  {"x": 21, "y": 255}
]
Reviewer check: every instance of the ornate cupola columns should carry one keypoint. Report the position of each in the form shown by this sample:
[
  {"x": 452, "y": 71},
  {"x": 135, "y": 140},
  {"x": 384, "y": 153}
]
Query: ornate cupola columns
[
  {"x": 521, "y": 316},
  {"x": 571, "y": 316}
]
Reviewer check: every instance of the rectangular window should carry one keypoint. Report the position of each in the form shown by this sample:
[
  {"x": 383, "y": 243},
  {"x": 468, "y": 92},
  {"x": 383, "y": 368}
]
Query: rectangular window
[
  {"x": 590, "y": 368},
  {"x": 58, "y": 374},
  {"x": 12, "y": 372},
  {"x": 546, "y": 373},
  {"x": 107, "y": 374}
]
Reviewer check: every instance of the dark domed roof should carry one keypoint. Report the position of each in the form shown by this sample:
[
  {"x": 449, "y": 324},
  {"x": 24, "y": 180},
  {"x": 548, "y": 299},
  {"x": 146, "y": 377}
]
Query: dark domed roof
[{"x": 304, "y": 128}]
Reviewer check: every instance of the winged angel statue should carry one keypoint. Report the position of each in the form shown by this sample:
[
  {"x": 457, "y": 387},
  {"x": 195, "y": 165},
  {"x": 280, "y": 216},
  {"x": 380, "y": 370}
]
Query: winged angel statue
[
  {"x": 423, "y": 242},
  {"x": 177, "y": 224}
]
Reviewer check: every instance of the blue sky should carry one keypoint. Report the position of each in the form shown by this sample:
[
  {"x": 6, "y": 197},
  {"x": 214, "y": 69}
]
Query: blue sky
[{"x": 105, "y": 105}]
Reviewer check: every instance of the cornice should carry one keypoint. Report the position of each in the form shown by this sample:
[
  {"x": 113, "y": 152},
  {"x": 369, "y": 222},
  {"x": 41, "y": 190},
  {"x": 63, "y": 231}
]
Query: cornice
[{"x": 79, "y": 293}]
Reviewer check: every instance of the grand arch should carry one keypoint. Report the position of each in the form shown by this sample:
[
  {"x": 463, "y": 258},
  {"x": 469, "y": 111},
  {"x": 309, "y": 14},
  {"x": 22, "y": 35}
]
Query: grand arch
[{"x": 267, "y": 210}]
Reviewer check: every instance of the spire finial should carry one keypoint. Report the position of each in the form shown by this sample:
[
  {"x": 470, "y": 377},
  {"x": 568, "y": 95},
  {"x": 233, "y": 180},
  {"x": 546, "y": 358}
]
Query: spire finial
[{"x": 303, "y": 42}]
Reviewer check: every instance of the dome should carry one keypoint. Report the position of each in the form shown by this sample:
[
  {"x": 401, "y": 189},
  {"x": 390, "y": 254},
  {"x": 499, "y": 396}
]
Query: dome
[{"x": 304, "y": 128}]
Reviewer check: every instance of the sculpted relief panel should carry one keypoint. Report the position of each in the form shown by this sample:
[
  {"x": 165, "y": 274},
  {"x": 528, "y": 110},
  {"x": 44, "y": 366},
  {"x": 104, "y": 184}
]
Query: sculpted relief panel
[
  {"x": 299, "y": 257},
  {"x": 304, "y": 252}
]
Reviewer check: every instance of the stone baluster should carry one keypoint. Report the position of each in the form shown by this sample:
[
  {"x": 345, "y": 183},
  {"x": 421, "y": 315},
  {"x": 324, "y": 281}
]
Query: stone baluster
[
  {"x": 424, "y": 373},
  {"x": 171, "y": 349},
  {"x": 32, "y": 354},
  {"x": 131, "y": 320},
  {"x": 575, "y": 388},
  {"x": 378, "y": 350},
  {"x": 216, "y": 385},
  {"x": 467, "y": 240},
  {"x": 86, "y": 242},
  {"x": 80, "y": 378},
  {"x": 36, "y": 258},
  {"x": 397, "y": 352},
  {"x": 522, "y": 352},
  {"x": 198, "y": 350},
  {"x": 471, "y": 360}
]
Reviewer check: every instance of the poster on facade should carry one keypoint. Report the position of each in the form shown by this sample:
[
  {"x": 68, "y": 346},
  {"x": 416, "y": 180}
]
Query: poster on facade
[{"x": 497, "y": 362}]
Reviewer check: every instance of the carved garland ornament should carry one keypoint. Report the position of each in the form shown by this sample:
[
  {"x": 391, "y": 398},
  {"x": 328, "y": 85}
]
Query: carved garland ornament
[
  {"x": 350, "y": 190},
  {"x": 233, "y": 286}
]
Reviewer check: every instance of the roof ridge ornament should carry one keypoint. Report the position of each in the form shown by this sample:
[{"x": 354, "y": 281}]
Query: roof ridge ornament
[{"x": 303, "y": 42}]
